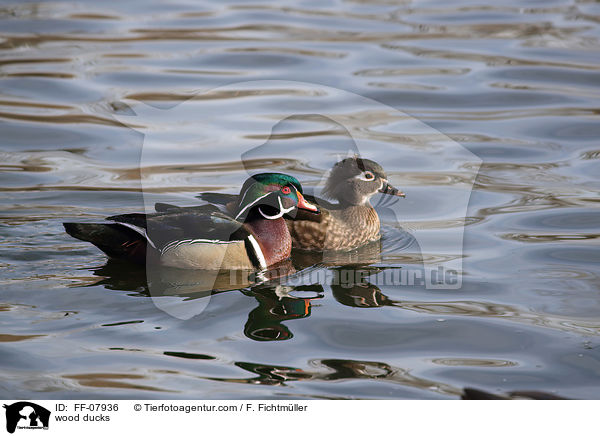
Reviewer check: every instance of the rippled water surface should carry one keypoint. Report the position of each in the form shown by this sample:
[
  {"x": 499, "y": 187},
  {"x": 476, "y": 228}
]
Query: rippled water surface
[{"x": 106, "y": 107}]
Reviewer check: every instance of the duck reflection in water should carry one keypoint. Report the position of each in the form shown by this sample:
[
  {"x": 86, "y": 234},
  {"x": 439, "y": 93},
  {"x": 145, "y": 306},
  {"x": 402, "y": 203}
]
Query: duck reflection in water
[
  {"x": 361, "y": 293},
  {"x": 278, "y": 303},
  {"x": 192, "y": 284}
]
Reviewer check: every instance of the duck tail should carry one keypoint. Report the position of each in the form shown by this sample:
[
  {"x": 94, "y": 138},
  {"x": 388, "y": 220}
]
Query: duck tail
[{"x": 115, "y": 240}]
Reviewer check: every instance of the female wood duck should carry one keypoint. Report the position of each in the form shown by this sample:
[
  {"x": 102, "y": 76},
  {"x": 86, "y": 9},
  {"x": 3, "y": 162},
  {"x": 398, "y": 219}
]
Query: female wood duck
[
  {"x": 202, "y": 237},
  {"x": 346, "y": 225}
]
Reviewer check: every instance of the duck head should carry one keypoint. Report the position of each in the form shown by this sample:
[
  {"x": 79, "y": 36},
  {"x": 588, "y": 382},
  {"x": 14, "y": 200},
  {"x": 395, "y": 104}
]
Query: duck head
[
  {"x": 353, "y": 181},
  {"x": 272, "y": 195}
]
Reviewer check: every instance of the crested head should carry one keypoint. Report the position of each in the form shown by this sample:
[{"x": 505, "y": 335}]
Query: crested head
[
  {"x": 269, "y": 182},
  {"x": 354, "y": 180},
  {"x": 272, "y": 195}
]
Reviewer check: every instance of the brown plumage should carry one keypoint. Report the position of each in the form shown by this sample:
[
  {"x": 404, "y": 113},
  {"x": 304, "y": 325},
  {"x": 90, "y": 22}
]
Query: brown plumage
[
  {"x": 337, "y": 229},
  {"x": 351, "y": 222}
]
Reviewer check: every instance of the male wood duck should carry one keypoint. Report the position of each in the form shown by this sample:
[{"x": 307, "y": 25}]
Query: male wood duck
[
  {"x": 346, "y": 225},
  {"x": 202, "y": 237}
]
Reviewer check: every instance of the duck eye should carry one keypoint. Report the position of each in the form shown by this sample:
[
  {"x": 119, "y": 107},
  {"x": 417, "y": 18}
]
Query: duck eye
[
  {"x": 286, "y": 190},
  {"x": 369, "y": 175}
]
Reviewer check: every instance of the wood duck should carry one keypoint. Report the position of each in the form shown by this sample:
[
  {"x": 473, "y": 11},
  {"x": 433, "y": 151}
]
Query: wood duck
[
  {"x": 346, "y": 225},
  {"x": 202, "y": 237}
]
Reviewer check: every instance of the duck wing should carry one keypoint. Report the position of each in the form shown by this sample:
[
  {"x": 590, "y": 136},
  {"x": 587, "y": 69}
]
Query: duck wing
[
  {"x": 182, "y": 224},
  {"x": 171, "y": 208},
  {"x": 217, "y": 197},
  {"x": 138, "y": 236}
]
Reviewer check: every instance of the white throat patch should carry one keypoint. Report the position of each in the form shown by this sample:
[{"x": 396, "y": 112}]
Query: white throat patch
[{"x": 282, "y": 211}]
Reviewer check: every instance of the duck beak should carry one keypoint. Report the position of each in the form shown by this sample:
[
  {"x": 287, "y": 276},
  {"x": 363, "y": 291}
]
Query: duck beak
[
  {"x": 388, "y": 189},
  {"x": 303, "y": 204}
]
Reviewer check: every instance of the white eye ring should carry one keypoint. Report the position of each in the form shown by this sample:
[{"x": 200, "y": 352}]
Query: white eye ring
[{"x": 366, "y": 176}]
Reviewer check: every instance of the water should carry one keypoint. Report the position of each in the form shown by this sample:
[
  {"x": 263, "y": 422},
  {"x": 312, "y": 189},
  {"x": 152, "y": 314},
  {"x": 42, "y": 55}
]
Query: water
[{"x": 516, "y": 85}]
